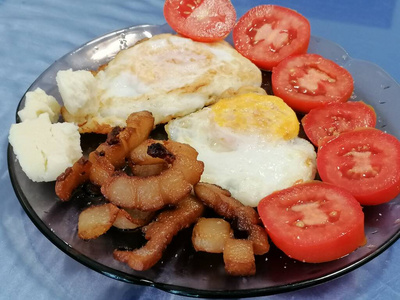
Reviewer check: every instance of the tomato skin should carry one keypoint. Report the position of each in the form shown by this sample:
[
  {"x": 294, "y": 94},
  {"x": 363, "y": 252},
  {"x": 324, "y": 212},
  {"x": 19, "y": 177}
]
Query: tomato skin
[
  {"x": 338, "y": 236},
  {"x": 365, "y": 161},
  {"x": 268, "y": 53},
  {"x": 308, "y": 81},
  {"x": 326, "y": 122},
  {"x": 201, "y": 20}
]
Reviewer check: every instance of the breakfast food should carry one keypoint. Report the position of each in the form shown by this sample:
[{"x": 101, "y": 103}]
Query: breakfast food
[
  {"x": 308, "y": 81},
  {"x": 324, "y": 123},
  {"x": 160, "y": 232},
  {"x": 244, "y": 145},
  {"x": 216, "y": 236},
  {"x": 314, "y": 221},
  {"x": 245, "y": 217},
  {"x": 77, "y": 89},
  {"x": 249, "y": 145},
  {"x": 131, "y": 218},
  {"x": 205, "y": 21},
  {"x": 365, "y": 162},
  {"x": 239, "y": 258},
  {"x": 173, "y": 77},
  {"x": 162, "y": 198},
  {"x": 37, "y": 102},
  {"x": 72, "y": 178},
  {"x": 210, "y": 234},
  {"x": 43, "y": 149},
  {"x": 108, "y": 156},
  {"x": 267, "y": 34},
  {"x": 96, "y": 220},
  {"x": 154, "y": 192}
]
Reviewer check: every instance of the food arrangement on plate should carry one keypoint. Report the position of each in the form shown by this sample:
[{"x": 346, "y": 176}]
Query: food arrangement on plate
[{"x": 231, "y": 148}]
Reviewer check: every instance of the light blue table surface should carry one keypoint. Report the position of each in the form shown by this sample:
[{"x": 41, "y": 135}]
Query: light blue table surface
[{"x": 34, "y": 33}]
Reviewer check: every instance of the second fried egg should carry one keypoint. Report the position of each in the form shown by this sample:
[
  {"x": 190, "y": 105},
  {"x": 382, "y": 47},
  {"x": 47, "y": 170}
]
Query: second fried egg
[{"x": 249, "y": 145}]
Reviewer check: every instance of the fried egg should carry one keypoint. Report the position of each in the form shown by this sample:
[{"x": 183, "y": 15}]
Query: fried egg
[
  {"x": 249, "y": 145},
  {"x": 168, "y": 75}
]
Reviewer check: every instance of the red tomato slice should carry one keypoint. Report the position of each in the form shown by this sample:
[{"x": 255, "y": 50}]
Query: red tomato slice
[
  {"x": 308, "y": 81},
  {"x": 314, "y": 221},
  {"x": 366, "y": 162},
  {"x": 201, "y": 20},
  {"x": 266, "y": 34},
  {"x": 326, "y": 122}
]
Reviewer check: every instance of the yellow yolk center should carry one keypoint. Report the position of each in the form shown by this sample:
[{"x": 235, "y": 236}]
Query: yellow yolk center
[{"x": 253, "y": 113}]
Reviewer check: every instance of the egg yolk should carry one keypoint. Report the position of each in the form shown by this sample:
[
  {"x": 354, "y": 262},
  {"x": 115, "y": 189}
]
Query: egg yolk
[{"x": 254, "y": 113}]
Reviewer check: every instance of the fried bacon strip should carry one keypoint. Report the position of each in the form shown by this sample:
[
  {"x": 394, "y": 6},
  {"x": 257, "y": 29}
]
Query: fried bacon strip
[
  {"x": 246, "y": 217},
  {"x": 239, "y": 257},
  {"x": 215, "y": 235},
  {"x": 148, "y": 170},
  {"x": 154, "y": 192},
  {"x": 96, "y": 220},
  {"x": 73, "y": 177},
  {"x": 181, "y": 156},
  {"x": 238, "y": 254},
  {"x": 101, "y": 170},
  {"x": 210, "y": 234},
  {"x": 160, "y": 232},
  {"x": 120, "y": 142},
  {"x": 132, "y": 218},
  {"x": 108, "y": 156}
]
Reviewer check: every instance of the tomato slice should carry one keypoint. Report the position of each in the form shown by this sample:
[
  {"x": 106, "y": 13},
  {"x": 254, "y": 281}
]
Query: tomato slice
[
  {"x": 326, "y": 122},
  {"x": 266, "y": 34},
  {"x": 314, "y": 221},
  {"x": 366, "y": 162},
  {"x": 201, "y": 20},
  {"x": 308, "y": 81}
]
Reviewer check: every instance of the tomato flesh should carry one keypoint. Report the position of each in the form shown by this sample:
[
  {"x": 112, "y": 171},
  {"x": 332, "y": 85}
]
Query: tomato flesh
[
  {"x": 309, "y": 81},
  {"x": 201, "y": 20},
  {"x": 266, "y": 34},
  {"x": 324, "y": 123},
  {"x": 313, "y": 222},
  {"x": 366, "y": 162},
  {"x": 185, "y": 8}
]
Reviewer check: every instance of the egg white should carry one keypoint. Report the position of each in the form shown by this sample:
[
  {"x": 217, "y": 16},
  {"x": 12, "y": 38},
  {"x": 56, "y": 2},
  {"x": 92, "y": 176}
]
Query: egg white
[{"x": 168, "y": 75}]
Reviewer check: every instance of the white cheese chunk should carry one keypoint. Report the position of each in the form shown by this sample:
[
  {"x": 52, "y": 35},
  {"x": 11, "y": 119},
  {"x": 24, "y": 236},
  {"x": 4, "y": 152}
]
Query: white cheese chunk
[
  {"x": 44, "y": 150},
  {"x": 77, "y": 90},
  {"x": 38, "y": 102}
]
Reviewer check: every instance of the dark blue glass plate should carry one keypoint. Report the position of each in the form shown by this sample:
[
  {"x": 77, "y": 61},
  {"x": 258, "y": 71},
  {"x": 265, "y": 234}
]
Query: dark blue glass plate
[{"x": 182, "y": 270}]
